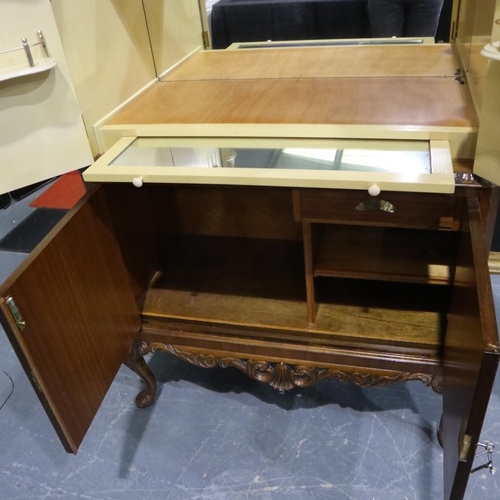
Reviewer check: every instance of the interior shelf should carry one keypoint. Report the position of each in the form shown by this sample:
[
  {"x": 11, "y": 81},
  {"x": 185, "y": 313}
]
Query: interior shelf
[
  {"x": 237, "y": 282},
  {"x": 388, "y": 254}
]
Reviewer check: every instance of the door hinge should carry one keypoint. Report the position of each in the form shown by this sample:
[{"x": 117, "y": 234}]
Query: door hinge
[
  {"x": 464, "y": 450},
  {"x": 206, "y": 39},
  {"x": 454, "y": 30},
  {"x": 16, "y": 315},
  {"x": 35, "y": 381},
  {"x": 494, "y": 347}
]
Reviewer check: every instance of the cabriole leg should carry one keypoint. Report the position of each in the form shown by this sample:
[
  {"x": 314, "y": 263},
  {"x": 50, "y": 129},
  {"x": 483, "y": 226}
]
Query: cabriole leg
[
  {"x": 440, "y": 432},
  {"x": 135, "y": 361}
]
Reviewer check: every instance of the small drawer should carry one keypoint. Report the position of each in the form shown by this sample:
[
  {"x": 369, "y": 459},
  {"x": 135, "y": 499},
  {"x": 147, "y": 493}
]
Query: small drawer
[{"x": 396, "y": 209}]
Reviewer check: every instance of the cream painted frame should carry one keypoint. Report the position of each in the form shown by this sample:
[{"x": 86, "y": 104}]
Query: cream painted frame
[
  {"x": 441, "y": 180},
  {"x": 462, "y": 139}
]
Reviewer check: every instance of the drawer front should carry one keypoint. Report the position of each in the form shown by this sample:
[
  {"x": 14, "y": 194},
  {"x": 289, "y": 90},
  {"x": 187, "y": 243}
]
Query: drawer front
[{"x": 414, "y": 210}]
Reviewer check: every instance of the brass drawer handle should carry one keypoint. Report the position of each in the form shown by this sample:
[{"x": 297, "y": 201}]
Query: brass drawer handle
[{"x": 383, "y": 205}]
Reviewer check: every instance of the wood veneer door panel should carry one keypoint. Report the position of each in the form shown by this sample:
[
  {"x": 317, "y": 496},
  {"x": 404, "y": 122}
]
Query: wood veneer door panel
[
  {"x": 470, "y": 354},
  {"x": 81, "y": 317}
]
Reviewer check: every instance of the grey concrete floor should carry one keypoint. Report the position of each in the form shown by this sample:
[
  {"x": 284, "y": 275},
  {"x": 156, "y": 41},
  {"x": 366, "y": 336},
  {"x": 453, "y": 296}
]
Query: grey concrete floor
[{"x": 216, "y": 434}]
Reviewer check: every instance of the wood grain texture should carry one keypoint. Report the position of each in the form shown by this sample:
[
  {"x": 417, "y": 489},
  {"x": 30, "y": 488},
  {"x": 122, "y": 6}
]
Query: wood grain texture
[
  {"x": 423, "y": 211},
  {"x": 319, "y": 62},
  {"x": 387, "y": 254},
  {"x": 143, "y": 219},
  {"x": 374, "y": 101},
  {"x": 260, "y": 284},
  {"x": 309, "y": 256},
  {"x": 286, "y": 347},
  {"x": 283, "y": 377},
  {"x": 471, "y": 351},
  {"x": 80, "y": 315},
  {"x": 248, "y": 212}
]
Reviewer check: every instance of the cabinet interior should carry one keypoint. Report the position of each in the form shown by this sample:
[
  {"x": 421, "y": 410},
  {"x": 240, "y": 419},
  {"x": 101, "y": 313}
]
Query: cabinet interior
[{"x": 233, "y": 258}]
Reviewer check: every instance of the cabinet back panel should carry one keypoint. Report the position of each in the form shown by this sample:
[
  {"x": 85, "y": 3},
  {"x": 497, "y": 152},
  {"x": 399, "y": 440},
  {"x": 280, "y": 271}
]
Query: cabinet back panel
[
  {"x": 260, "y": 283},
  {"x": 148, "y": 220},
  {"x": 236, "y": 212},
  {"x": 142, "y": 218}
]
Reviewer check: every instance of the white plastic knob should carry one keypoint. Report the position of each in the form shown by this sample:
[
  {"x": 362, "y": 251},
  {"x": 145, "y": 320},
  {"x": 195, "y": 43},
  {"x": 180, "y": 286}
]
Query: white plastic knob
[
  {"x": 374, "y": 190},
  {"x": 137, "y": 182}
]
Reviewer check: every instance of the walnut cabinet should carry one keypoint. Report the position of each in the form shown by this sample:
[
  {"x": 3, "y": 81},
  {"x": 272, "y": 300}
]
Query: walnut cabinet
[{"x": 290, "y": 285}]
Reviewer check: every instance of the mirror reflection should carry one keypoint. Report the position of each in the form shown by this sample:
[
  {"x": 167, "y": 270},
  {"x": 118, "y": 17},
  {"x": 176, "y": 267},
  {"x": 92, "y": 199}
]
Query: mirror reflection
[
  {"x": 409, "y": 157},
  {"x": 279, "y": 20},
  {"x": 174, "y": 26}
]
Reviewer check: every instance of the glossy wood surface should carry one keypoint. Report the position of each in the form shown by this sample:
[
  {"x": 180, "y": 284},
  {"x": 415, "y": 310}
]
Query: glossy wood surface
[
  {"x": 310, "y": 251},
  {"x": 375, "y": 101},
  {"x": 471, "y": 352},
  {"x": 387, "y": 254},
  {"x": 319, "y": 62},
  {"x": 424, "y": 211},
  {"x": 256, "y": 212},
  {"x": 225, "y": 288},
  {"x": 139, "y": 216},
  {"x": 285, "y": 347},
  {"x": 80, "y": 315},
  {"x": 260, "y": 284}
]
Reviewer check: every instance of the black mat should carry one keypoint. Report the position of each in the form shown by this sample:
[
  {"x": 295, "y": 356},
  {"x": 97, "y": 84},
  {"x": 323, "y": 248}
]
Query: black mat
[
  {"x": 4, "y": 201},
  {"x": 26, "y": 236}
]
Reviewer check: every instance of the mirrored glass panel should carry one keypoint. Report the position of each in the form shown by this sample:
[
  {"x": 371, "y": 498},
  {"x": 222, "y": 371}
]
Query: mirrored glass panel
[{"x": 409, "y": 157}]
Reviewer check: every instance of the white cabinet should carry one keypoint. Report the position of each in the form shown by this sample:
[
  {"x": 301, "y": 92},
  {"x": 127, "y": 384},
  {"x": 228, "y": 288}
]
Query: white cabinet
[{"x": 42, "y": 131}]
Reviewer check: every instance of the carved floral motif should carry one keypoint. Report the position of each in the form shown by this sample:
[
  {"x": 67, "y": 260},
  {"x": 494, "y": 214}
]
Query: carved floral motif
[{"x": 284, "y": 377}]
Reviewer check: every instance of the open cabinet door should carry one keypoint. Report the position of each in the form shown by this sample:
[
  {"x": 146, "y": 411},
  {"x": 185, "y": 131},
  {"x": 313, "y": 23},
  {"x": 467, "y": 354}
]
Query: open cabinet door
[
  {"x": 487, "y": 160},
  {"x": 74, "y": 317},
  {"x": 42, "y": 129},
  {"x": 471, "y": 355}
]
